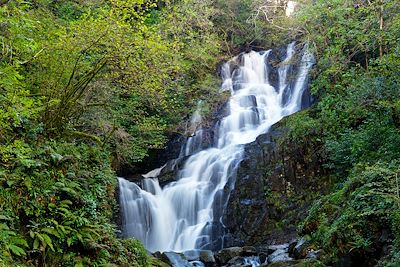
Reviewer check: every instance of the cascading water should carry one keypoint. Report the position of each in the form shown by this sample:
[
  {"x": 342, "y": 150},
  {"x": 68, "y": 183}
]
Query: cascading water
[{"x": 187, "y": 213}]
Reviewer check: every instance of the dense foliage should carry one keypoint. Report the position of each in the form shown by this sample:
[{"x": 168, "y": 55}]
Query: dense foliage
[
  {"x": 86, "y": 88},
  {"x": 254, "y": 24},
  {"x": 356, "y": 124}
]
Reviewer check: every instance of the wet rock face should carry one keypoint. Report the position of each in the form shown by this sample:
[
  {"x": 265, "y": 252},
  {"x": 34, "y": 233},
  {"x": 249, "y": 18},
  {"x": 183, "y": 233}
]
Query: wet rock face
[
  {"x": 274, "y": 186},
  {"x": 276, "y": 56}
]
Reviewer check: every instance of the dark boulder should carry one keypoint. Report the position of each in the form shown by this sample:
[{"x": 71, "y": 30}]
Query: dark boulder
[
  {"x": 236, "y": 261},
  {"x": 207, "y": 257},
  {"x": 224, "y": 255},
  {"x": 273, "y": 187}
]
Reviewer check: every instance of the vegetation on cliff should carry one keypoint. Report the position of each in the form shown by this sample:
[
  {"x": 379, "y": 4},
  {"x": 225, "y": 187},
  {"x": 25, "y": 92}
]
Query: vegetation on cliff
[
  {"x": 87, "y": 89},
  {"x": 356, "y": 124}
]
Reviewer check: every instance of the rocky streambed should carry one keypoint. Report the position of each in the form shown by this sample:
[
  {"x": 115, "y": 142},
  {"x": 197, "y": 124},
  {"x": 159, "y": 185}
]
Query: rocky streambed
[{"x": 296, "y": 253}]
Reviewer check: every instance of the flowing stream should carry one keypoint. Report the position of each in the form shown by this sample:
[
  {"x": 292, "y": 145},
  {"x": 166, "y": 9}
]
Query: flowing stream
[{"x": 187, "y": 213}]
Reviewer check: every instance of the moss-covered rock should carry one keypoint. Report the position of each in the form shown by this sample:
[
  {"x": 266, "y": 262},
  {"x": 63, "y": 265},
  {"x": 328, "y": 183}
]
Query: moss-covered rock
[{"x": 276, "y": 182}]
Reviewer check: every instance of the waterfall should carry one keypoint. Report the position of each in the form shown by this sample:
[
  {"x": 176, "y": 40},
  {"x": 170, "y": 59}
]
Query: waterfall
[{"x": 187, "y": 213}]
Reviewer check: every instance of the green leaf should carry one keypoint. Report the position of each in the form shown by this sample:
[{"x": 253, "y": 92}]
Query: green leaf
[
  {"x": 16, "y": 250},
  {"x": 47, "y": 240},
  {"x": 3, "y": 217},
  {"x": 4, "y": 226},
  {"x": 19, "y": 241},
  {"x": 32, "y": 234},
  {"x": 51, "y": 231},
  {"x": 56, "y": 157},
  {"x": 70, "y": 241},
  {"x": 40, "y": 237},
  {"x": 65, "y": 203},
  {"x": 36, "y": 244},
  {"x": 69, "y": 190},
  {"x": 28, "y": 183},
  {"x": 79, "y": 236}
]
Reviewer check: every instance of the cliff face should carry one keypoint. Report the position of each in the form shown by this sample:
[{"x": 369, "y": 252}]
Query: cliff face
[
  {"x": 276, "y": 179},
  {"x": 276, "y": 182}
]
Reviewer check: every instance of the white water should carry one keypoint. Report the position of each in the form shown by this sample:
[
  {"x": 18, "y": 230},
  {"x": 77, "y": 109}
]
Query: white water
[
  {"x": 253, "y": 261},
  {"x": 180, "y": 216}
]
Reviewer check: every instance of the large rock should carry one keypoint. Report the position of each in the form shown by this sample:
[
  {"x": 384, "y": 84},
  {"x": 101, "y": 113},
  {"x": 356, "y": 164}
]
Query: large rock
[
  {"x": 235, "y": 255},
  {"x": 236, "y": 261},
  {"x": 249, "y": 251},
  {"x": 275, "y": 185},
  {"x": 224, "y": 255},
  {"x": 169, "y": 171},
  {"x": 207, "y": 257}
]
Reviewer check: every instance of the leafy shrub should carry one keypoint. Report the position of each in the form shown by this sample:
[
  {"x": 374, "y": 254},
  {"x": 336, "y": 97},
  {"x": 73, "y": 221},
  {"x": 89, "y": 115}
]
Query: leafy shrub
[{"x": 351, "y": 219}]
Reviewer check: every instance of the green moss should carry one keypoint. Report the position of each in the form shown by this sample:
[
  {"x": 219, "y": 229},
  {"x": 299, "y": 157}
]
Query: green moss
[{"x": 157, "y": 263}]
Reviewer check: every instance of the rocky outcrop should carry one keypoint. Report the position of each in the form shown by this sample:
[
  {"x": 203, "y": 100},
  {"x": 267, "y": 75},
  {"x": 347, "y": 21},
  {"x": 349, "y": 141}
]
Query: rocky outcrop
[
  {"x": 272, "y": 186},
  {"x": 276, "y": 182}
]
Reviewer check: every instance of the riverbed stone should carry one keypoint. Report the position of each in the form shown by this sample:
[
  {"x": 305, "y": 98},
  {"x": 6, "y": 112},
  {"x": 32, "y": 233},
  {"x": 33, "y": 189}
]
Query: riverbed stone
[
  {"x": 207, "y": 257},
  {"x": 224, "y": 255},
  {"x": 236, "y": 261},
  {"x": 249, "y": 251}
]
